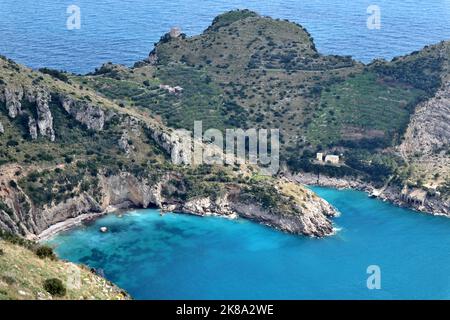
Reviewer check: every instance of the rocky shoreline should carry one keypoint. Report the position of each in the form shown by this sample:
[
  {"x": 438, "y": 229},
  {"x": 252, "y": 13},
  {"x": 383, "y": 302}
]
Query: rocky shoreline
[
  {"x": 75, "y": 222},
  {"x": 224, "y": 208},
  {"x": 392, "y": 194},
  {"x": 301, "y": 212}
]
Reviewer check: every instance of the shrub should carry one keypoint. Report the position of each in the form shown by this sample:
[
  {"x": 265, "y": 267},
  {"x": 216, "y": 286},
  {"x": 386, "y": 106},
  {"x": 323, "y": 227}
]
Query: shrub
[
  {"x": 8, "y": 280},
  {"x": 45, "y": 252},
  {"x": 55, "y": 74},
  {"x": 55, "y": 287},
  {"x": 14, "y": 239},
  {"x": 12, "y": 143},
  {"x": 5, "y": 208},
  {"x": 1, "y": 252}
]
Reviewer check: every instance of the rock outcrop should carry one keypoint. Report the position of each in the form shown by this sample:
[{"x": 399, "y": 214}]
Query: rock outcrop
[
  {"x": 12, "y": 97},
  {"x": 125, "y": 190},
  {"x": 39, "y": 98},
  {"x": 312, "y": 221},
  {"x": 93, "y": 117},
  {"x": 426, "y": 145},
  {"x": 124, "y": 143},
  {"x": 44, "y": 116},
  {"x": 175, "y": 143},
  {"x": 32, "y": 128},
  {"x": 2, "y": 129},
  {"x": 429, "y": 128},
  {"x": 153, "y": 58},
  {"x": 433, "y": 205}
]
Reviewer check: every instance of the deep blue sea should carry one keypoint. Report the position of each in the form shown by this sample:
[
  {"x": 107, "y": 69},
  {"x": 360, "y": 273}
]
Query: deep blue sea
[
  {"x": 124, "y": 31},
  {"x": 178, "y": 256}
]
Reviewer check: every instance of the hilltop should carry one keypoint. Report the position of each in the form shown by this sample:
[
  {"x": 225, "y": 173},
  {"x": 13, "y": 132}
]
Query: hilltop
[{"x": 267, "y": 73}]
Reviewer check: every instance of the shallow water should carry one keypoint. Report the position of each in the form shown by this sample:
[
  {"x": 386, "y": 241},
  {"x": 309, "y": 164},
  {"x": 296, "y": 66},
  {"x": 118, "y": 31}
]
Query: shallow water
[{"x": 187, "y": 257}]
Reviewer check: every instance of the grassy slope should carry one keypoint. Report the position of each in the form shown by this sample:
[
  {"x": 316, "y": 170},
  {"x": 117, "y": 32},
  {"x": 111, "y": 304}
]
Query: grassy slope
[{"x": 22, "y": 275}]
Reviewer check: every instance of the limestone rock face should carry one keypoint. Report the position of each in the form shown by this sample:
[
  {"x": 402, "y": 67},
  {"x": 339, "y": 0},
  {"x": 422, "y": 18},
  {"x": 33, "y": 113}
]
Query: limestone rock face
[
  {"x": 12, "y": 96},
  {"x": 174, "y": 144},
  {"x": 91, "y": 116},
  {"x": 153, "y": 58},
  {"x": 32, "y": 128},
  {"x": 429, "y": 128},
  {"x": 45, "y": 118},
  {"x": 206, "y": 206},
  {"x": 126, "y": 188},
  {"x": 426, "y": 145},
  {"x": 311, "y": 218},
  {"x": 43, "y": 124},
  {"x": 314, "y": 221},
  {"x": 124, "y": 143},
  {"x": 74, "y": 207}
]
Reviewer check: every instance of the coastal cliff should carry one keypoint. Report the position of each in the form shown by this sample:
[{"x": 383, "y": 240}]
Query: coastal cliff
[
  {"x": 72, "y": 155},
  {"x": 433, "y": 205},
  {"x": 306, "y": 214}
]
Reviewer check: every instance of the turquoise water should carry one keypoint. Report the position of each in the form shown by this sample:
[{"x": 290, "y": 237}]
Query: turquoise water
[
  {"x": 123, "y": 31},
  {"x": 186, "y": 257}
]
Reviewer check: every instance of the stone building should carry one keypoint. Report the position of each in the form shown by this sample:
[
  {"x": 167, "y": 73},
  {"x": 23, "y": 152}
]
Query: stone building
[
  {"x": 415, "y": 196},
  {"x": 175, "y": 32},
  {"x": 331, "y": 158},
  {"x": 319, "y": 156}
]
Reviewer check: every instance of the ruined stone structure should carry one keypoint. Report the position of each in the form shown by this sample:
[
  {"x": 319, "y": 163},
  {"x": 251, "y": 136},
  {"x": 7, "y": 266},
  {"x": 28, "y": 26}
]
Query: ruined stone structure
[
  {"x": 175, "y": 32},
  {"x": 414, "y": 196}
]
